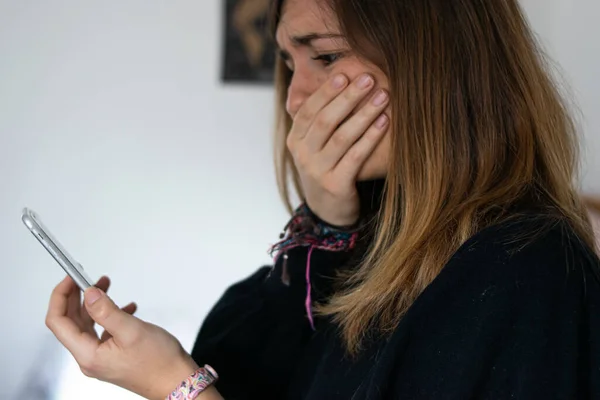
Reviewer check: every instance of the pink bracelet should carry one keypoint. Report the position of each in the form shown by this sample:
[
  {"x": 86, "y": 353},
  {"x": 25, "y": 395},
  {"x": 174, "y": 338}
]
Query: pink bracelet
[{"x": 195, "y": 384}]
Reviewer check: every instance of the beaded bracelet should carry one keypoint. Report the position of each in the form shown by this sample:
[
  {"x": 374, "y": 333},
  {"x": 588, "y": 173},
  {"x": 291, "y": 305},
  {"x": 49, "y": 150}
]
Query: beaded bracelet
[
  {"x": 195, "y": 384},
  {"x": 305, "y": 229}
]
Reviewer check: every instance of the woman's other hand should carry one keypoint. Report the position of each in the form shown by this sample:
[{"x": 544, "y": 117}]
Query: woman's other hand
[
  {"x": 333, "y": 134},
  {"x": 133, "y": 354}
]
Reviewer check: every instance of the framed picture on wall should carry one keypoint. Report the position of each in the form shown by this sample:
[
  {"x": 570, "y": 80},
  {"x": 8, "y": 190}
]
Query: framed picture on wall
[{"x": 249, "y": 52}]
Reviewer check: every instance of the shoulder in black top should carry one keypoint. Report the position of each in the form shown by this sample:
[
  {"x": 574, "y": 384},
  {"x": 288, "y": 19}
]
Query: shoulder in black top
[{"x": 501, "y": 321}]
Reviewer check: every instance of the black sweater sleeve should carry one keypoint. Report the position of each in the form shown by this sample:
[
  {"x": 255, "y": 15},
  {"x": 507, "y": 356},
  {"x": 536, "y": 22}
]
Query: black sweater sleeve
[{"x": 255, "y": 333}]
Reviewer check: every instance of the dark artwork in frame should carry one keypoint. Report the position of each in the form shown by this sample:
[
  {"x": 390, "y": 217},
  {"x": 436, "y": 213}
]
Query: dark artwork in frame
[{"x": 249, "y": 51}]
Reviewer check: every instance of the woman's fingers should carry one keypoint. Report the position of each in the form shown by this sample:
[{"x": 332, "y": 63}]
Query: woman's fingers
[
  {"x": 122, "y": 326},
  {"x": 328, "y": 179},
  {"x": 328, "y": 120},
  {"x": 353, "y": 160},
  {"x": 314, "y": 104},
  {"x": 102, "y": 284},
  {"x": 64, "y": 328},
  {"x": 59, "y": 299},
  {"x": 130, "y": 309},
  {"x": 74, "y": 304},
  {"x": 353, "y": 130}
]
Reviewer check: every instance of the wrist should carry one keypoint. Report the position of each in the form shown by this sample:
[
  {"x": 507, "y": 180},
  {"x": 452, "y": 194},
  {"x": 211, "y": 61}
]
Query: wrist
[
  {"x": 176, "y": 374},
  {"x": 197, "y": 383},
  {"x": 348, "y": 224}
]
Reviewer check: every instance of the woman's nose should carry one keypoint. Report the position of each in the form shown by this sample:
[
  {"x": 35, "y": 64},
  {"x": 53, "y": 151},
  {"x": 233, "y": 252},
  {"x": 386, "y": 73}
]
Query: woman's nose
[{"x": 302, "y": 86}]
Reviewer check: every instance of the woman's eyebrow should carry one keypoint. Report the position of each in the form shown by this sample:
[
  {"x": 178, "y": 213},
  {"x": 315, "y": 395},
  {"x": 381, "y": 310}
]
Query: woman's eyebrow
[{"x": 306, "y": 40}]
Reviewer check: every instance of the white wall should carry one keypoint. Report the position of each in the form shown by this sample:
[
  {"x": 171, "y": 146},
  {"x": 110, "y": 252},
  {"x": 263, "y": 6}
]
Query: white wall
[
  {"x": 115, "y": 128},
  {"x": 577, "y": 41},
  {"x": 569, "y": 31}
]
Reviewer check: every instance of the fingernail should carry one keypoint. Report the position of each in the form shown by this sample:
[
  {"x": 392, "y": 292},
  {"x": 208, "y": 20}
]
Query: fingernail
[
  {"x": 380, "y": 98},
  {"x": 92, "y": 295},
  {"x": 339, "y": 81},
  {"x": 382, "y": 121},
  {"x": 365, "y": 81}
]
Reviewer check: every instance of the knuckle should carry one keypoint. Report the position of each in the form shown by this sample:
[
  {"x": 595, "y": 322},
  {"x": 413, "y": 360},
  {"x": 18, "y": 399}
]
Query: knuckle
[
  {"x": 86, "y": 371},
  {"x": 332, "y": 92},
  {"x": 57, "y": 288},
  {"x": 322, "y": 123},
  {"x": 88, "y": 367},
  {"x": 339, "y": 139},
  {"x": 304, "y": 114},
  {"x": 364, "y": 117},
  {"x": 351, "y": 94},
  {"x": 49, "y": 322},
  {"x": 354, "y": 156},
  {"x": 289, "y": 143},
  {"x": 103, "y": 312},
  {"x": 371, "y": 136}
]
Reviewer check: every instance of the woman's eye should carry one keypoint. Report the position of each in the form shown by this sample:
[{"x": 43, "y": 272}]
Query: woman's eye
[{"x": 328, "y": 59}]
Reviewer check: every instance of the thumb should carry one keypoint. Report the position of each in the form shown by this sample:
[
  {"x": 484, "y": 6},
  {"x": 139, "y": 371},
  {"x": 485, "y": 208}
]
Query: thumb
[{"x": 106, "y": 314}]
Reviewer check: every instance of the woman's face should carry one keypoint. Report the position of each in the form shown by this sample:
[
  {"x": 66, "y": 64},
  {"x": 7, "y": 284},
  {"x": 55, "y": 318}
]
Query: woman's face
[{"x": 315, "y": 61}]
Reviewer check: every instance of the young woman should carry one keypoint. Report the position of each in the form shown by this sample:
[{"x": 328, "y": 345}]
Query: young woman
[{"x": 441, "y": 250}]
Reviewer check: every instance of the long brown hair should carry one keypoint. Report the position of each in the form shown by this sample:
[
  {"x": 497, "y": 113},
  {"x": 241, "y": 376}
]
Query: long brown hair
[{"x": 479, "y": 128}]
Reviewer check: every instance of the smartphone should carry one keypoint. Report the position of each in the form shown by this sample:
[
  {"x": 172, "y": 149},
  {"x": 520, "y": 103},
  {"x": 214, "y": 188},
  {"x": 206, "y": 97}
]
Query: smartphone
[{"x": 63, "y": 258}]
